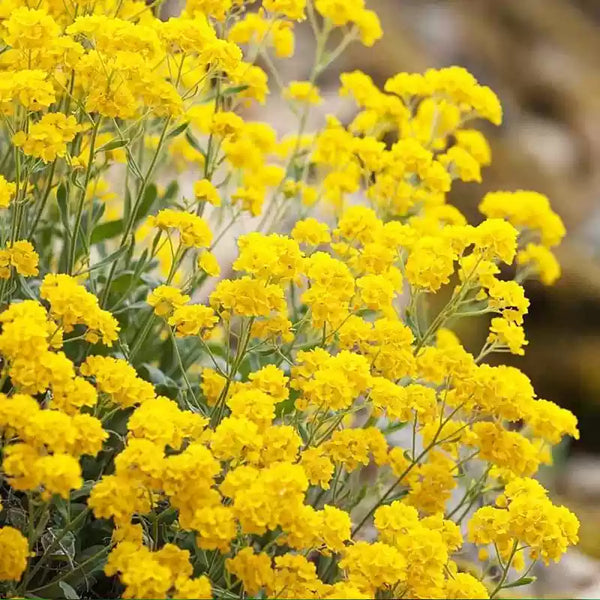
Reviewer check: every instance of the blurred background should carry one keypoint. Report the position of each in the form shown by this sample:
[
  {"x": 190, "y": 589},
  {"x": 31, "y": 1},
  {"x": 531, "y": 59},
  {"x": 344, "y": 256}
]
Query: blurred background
[{"x": 542, "y": 57}]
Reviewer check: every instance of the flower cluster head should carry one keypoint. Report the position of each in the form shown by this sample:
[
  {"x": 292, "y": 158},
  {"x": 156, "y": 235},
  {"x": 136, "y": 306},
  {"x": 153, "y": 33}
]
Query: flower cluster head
[
  {"x": 71, "y": 304},
  {"x": 200, "y": 424}
]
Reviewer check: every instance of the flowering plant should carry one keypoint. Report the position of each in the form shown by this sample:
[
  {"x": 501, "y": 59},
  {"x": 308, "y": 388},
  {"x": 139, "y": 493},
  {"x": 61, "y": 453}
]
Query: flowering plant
[{"x": 158, "y": 440}]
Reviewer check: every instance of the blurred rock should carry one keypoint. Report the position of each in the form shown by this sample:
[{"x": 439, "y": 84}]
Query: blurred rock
[
  {"x": 576, "y": 576},
  {"x": 581, "y": 481}
]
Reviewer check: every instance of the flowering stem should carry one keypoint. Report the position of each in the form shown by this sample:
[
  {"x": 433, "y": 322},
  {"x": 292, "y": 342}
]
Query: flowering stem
[
  {"x": 134, "y": 211},
  {"x": 190, "y": 390},
  {"x": 220, "y": 406},
  {"x": 53, "y": 546},
  {"x": 506, "y": 569},
  {"x": 408, "y": 469},
  {"x": 91, "y": 559},
  {"x": 447, "y": 310},
  {"x": 43, "y": 202}
]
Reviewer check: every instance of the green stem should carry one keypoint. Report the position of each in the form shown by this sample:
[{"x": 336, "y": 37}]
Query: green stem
[
  {"x": 39, "y": 591},
  {"x": 220, "y": 406},
  {"x": 190, "y": 390},
  {"x": 81, "y": 203},
  {"x": 141, "y": 337},
  {"x": 43, "y": 202},
  {"x": 53, "y": 546},
  {"x": 505, "y": 570},
  {"x": 145, "y": 329},
  {"x": 408, "y": 469},
  {"x": 133, "y": 215},
  {"x": 445, "y": 313}
]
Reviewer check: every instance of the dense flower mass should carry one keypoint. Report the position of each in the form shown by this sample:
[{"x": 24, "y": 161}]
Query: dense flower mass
[{"x": 168, "y": 433}]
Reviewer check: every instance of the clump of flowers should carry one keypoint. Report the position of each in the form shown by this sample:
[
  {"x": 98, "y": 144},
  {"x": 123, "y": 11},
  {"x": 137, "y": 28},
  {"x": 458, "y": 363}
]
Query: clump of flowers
[{"x": 162, "y": 440}]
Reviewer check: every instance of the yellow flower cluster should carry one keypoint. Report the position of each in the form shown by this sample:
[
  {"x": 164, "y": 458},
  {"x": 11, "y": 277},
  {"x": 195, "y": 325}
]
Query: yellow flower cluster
[
  {"x": 71, "y": 305},
  {"x": 193, "y": 230},
  {"x": 47, "y": 138},
  {"x": 7, "y": 192},
  {"x": 20, "y": 255},
  {"x": 237, "y": 440},
  {"x": 14, "y": 551},
  {"x": 523, "y": 502},
  {"x": 149, "y": 574}
]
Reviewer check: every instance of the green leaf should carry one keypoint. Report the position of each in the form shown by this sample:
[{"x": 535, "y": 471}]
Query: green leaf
[
  {"x": 126, "y": 205},
  {"x": 98, "y": 210},
  {"x": 112, "y": 145},
  {"x": 70, "y": 593},
  {"x": 63, "y": 206},
  {"x": 151, "y": 280},
  {"x": 177, "y": 130},
  {"x": 520, "y": 582},
  {"x": 156, "y": 376},
  {"x": 236, "y": 89},
  {"x": 147, "y": 201},
  {"x": 83, "y": 491},
  {"x": 39, "y": 166},
  {"x": 245, "y": 367},
  {"x": 362, "y": 493},
  {"x": 194, "y": 143},
  {"x": 109, "y": 259},
  {"x": 395, "y": 497},
  {"x": 106, "y": 231},
  {"x": 121, "y": 283},
  {"x": 394, "y": 427},
  {"x": 285, "y": 407},
  {"x": 170, "y": 192},
  {"x": 303, "y": 432},
  {"x": 217, "y": 350},
  {"x": 141, "y": 263},
  {"x": 27, "y": 288},
  {"x": 133, "y": 306}
]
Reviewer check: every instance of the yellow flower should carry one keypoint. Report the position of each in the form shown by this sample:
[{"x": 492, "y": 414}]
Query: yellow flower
[
  {"x": 508, "y": 298},
  {"x": 526, "y": 209},
  {"x": 14, "y": 552},
  {"x": 430, "y": 263},
  {"x": 193, "y": 319},
  {"x": 509, "y": 334},
  {"x": 118, "y": 379},
  {"x": 204, "y": 190},
  {"x": 47, "y": 139},
  {"x": 541, "y": 261},
  {"x": 273, "y": 258},
  {"x": 292, "y": 9},
  {"x": 59, "y": 474},
  {"x": 253, "y": 570},
  {"x": 7, "y": 192},
  {"x": 194, "y": 230},
  {"x": 375, "y": 565},
  {"x": 165, "y": 299},
  {"x": 192, "y": 589},
  {"x": 71, "y": 304},
  {"x": 247, "y": 297},
  {"x": 463, "y": 586},
  {"x": 24, "y": 258},
  {"x": 335, "y": 528},
  {"x": 302, "y": 91},
  {"x": 496, "y": 239}
]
